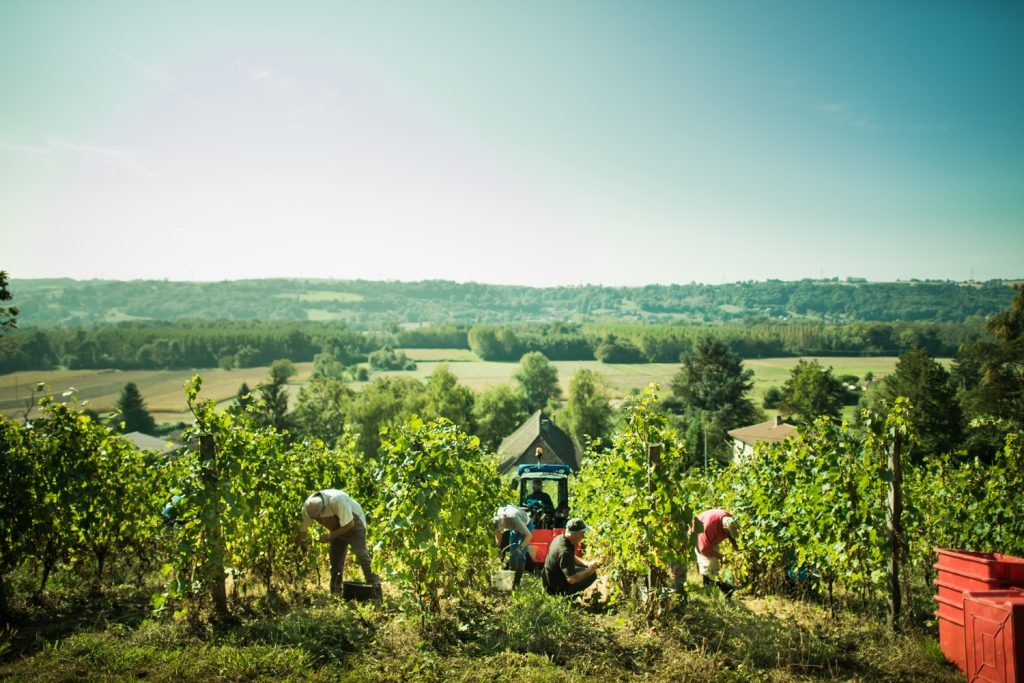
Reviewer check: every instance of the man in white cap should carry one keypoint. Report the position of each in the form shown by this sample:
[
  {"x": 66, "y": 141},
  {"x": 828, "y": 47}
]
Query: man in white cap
[
  {"x": 564, "y": 573},
  {"x": 346, "y": 526},
  {"x": 719, "y": 525}
]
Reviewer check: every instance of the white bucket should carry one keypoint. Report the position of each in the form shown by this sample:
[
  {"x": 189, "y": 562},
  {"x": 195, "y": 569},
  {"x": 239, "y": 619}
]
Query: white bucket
[{"x": 502, "y": 579}]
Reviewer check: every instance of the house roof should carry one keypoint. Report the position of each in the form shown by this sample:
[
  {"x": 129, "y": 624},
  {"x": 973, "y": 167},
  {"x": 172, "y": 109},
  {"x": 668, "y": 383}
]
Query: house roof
[
  {"x": 772, "y": 430},
  {"x": 537, "y": 431},
  {"x": 145, "y": 442}
]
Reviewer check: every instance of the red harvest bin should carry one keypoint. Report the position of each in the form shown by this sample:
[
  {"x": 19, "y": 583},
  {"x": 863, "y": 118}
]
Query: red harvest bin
[
  {"x": 966, "y": 570},
  {"x": 994, "y": 633},
  {"x": 981, "y": 566}
]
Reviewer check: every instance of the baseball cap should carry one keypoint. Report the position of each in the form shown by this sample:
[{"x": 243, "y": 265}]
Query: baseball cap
[
  {"x": 576, "y": 524},
  {"x": 731, "y": 526}
]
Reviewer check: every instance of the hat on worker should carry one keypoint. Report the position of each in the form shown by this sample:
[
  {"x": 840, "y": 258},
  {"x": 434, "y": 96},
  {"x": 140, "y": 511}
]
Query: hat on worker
[
  {"x": 576, "y": 524},
  {"x": 314, "y": 505},
  {"x": 501, "y": 513}
]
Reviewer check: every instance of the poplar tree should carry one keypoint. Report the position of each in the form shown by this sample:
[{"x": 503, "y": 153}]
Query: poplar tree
[
  {"x": 812, "y": 392},
  {"x": 8, "y": 314},
  {"x": 275, "y": 395},
  {"x": 134, "y": 415},
  {"x": 588, "y": 412},
  {"x": 711, "y": 390},
  {"x": 934, "y": 411},
  {"x": 538, "y": 379}
]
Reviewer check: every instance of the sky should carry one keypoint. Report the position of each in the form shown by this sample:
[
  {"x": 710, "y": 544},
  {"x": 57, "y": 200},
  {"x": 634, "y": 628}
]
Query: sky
[{"x": 530, "y": 142}]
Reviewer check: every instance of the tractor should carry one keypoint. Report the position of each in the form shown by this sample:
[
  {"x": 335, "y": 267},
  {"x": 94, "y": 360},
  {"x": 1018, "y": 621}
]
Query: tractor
[{"x": 536, "y": 484}]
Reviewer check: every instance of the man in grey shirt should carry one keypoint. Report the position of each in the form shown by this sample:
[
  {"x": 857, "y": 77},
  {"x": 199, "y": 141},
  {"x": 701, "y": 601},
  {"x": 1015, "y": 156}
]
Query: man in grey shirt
[{"x": 346, "y": 526}]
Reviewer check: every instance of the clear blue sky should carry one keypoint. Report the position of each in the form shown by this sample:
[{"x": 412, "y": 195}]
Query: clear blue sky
[{"x": 512, "y": 142}]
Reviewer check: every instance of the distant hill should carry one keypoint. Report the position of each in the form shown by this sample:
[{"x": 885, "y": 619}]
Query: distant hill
[{"x": 368, "y": 304}]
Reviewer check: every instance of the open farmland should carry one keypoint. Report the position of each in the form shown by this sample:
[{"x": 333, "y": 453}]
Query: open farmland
[
  {"x": 162, "y": 389},
  {"x": 625, "y": 378}
]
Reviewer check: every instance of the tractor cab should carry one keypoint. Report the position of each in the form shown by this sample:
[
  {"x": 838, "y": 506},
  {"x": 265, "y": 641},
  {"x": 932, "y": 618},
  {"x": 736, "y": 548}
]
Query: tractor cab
[{"x": 544, "y": 492}]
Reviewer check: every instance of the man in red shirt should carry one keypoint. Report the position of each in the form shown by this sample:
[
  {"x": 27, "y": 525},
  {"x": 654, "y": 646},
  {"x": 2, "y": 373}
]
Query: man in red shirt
[{"x": 719, "y": 526}]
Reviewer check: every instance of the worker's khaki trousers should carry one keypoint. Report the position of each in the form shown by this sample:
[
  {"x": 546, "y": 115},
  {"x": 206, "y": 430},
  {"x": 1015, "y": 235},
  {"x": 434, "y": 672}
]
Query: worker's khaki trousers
[{"x": 356, "y": 537}]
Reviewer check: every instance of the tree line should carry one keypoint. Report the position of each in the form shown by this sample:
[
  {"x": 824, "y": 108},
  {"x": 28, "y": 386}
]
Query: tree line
[
  {"x": 187, "y": 344},
  {"x": 641, "y": 343},
  {"x": 367, "y": 305},
  {"x": 184, "y": 344}
]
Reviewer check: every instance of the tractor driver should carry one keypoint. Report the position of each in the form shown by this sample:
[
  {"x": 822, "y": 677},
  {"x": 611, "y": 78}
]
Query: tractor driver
[{"x": 539, "y": 497}]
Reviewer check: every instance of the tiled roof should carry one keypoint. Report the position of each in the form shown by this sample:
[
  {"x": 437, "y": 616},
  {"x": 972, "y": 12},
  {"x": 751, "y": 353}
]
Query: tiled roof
[
  {"x": 538, "y": 430},
  {"x": 772, "y": 430},
  {"x": 145, "y": 442}
]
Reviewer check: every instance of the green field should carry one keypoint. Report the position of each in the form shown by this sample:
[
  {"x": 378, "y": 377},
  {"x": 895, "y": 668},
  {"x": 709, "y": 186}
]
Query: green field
[{"x": 162, "y": 389}]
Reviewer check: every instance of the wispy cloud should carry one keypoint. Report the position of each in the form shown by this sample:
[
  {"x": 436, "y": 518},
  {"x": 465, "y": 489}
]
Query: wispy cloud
[
  {"x": 265, "y": 75},
  {"x": 158, "y": 76},
  {"x": 108, "y": 158},
  {"x": 29, "y": 150},
  {"x": 115, "y": 159},
  {"x": 847, "y": 114},
  {"x": 834, "y": 107}
]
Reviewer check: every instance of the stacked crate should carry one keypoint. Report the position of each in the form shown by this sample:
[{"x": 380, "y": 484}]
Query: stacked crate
[
  {"x": 990, "y": 576},
  {"x": 994, "y": 636}
]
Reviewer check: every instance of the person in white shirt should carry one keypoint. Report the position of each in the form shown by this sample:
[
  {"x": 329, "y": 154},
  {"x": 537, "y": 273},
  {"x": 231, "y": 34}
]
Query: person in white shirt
[
  {"x": 346, "y": 526},
  {"x": 516, "y": 520}
]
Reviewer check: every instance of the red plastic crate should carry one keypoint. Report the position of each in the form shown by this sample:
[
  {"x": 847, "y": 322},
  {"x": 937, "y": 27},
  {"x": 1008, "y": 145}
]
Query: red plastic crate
[
  {"x": 542, "y": 538},
  {"x": 994, "y": 636},
  {"x": 951, "y": 640},
  {"x": 981, "y": 566},
  {"x": 951, "y": 609},
  {"x": 1013, "y": 569},
  {"x": 951, "y": 586},
  {"x": 960, "y": 571},
  {"x": 969, "y": 562}
]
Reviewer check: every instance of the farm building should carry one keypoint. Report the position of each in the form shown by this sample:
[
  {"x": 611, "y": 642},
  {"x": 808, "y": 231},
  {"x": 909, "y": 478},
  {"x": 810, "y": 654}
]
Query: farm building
[
  {"x": 745, "y": 438},
  {"x": 145, "y": 442},
  {"x": 538, "y": 432}
]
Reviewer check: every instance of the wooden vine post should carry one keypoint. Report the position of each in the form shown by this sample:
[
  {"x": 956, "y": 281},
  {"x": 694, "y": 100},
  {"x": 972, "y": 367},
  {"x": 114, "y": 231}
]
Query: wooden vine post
[
  {"x": 895, "y": 519},
  {"x": 215, "y": 542},
  {"x": 653, "y": 465}
]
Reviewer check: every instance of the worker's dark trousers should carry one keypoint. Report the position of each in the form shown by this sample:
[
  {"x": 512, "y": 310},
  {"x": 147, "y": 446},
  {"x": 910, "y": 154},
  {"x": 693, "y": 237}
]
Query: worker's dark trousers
[
  {"x": 356, "y": 537},
  {"x": 518, "y": 555},
  {"x": 726, "y": 588},
  {"x": 573, "y": 589}
]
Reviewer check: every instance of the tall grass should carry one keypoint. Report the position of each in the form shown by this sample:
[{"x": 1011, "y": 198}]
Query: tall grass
[{"x": 523, "y": 636}]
